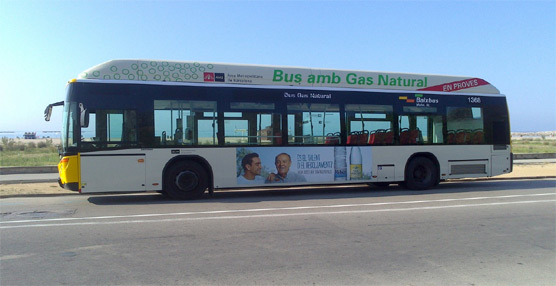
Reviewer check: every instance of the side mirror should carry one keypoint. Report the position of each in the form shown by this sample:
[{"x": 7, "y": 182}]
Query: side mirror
[
  {"x": 48, "y": 110},
  {"x": 83, "y": 116}
]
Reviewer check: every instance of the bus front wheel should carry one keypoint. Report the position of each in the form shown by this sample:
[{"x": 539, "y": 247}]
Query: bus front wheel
[
  {"x": 185, "y": 180},
  {"x": 421, "y": 174}
]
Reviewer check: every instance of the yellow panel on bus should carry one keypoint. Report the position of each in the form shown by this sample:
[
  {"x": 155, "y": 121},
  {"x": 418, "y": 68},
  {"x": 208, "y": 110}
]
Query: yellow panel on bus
[{"x": 68, "y": 169}]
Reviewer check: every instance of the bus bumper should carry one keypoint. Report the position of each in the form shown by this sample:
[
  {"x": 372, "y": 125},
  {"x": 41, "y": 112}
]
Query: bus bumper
[
  {"x": 69, "y": 186},
  {"x": 68, "y": 170}
]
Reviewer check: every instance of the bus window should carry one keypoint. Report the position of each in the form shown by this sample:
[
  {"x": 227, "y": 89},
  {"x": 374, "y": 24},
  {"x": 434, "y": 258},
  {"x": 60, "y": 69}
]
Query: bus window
[
  {"x": 252, "y": 123},
  {"x": 465, "y": 125},
  {"x": 109, "y": 129},
  {"x": 89, "y": 133},
  {"x": 420, "y": 128},
  {"x": 369, "y": 124},
  {"x": 182, "y": 122},
  {"x": 114, "y": 123},
  {"x": 313, "y": 123}
]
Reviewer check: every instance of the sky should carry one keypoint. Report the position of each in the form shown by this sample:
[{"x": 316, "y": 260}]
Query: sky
[{"x": 511, "y": 44}]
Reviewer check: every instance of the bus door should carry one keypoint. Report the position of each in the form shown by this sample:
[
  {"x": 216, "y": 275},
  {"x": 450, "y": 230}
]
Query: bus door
[{"x": 110, "y": 159}]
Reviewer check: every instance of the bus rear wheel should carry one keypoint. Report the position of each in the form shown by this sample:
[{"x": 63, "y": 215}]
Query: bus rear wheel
[
  {"x": 420, "y": 174},
  {"x": 185, "y": 180}
]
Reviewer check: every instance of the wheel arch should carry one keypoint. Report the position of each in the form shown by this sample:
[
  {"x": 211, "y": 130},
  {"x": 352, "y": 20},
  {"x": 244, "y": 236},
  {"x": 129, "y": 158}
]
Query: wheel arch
[{"x": 195, "y": 158}]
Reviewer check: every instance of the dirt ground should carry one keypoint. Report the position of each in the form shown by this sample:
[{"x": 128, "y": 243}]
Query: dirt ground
[
  {"x": 11, "y": 190},
  {"x": 532, "y": 170}
]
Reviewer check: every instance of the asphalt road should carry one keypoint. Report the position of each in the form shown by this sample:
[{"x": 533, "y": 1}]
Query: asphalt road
[{"x": 462, "y": 233}]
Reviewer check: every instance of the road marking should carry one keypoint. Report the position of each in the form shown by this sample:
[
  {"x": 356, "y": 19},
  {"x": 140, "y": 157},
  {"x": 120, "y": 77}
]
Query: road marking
[
  {"x": 270, "y": 215},
  {"x": 16, "y": 256},
  {"x": 273, "y": 209},
  {"x": 277, "y": 209}
]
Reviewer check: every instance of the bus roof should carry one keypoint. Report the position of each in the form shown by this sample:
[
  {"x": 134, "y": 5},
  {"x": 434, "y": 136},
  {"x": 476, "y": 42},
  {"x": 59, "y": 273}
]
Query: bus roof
[{"x": 202, "y": 72}]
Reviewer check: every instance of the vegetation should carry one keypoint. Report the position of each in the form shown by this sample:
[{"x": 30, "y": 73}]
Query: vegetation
[
  {"x": 43, "y": 153},
  {"x": 523, "y": 146},
  {"x": 16, "y": 153}
]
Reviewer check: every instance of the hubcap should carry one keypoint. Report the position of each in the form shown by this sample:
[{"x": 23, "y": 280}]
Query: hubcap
[
  {"x": 186, "y": 181},
  {"x": 420, "y": 173}
]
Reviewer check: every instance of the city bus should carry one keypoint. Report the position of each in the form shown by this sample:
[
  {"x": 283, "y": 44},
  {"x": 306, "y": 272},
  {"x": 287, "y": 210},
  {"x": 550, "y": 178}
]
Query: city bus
[{"x": 185, "y": 128}]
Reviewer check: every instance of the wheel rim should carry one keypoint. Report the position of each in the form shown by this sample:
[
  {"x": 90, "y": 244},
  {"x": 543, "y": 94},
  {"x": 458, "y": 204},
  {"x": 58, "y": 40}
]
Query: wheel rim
[
  {"x": 187, "y": 181},
  {"x": 420, "y": 174}
]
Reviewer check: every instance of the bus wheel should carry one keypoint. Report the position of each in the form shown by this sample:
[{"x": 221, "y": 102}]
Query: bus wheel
[
  {"x": 185, "y": 180},
  {"x": 421, "y": 174}
]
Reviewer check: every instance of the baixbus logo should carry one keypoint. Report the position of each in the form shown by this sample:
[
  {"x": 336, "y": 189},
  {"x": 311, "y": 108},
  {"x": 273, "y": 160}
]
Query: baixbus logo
[
  {"x": 419, "y": 99},
  {"x": 408, "y": 100}
]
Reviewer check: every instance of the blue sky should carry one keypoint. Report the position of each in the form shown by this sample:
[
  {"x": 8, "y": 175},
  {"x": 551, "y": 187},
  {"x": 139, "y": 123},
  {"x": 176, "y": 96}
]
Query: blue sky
[{"x": 511, "y": 44}]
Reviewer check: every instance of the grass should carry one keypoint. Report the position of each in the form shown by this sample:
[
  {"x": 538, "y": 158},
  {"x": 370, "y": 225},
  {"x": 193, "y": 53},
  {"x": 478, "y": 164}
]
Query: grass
[
  {"x": 14, "y": 153},
  {"x": 533, "y": 146}
]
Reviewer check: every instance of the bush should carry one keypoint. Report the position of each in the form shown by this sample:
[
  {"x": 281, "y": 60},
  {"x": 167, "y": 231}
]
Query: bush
[
  {"x": 30, "y": 145},
  {"x": 9, "y": 144}
]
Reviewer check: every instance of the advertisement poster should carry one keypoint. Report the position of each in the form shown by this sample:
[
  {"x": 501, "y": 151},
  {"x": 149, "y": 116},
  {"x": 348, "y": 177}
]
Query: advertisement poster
[{"x": 302, "y": 165}]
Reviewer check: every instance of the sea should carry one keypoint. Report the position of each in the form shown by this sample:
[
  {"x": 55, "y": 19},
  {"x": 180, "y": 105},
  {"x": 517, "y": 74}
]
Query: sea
[{"x": 38, "y": 134}]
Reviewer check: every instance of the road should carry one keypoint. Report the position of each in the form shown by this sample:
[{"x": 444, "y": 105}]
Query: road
[{"x": 462, "y": 233}]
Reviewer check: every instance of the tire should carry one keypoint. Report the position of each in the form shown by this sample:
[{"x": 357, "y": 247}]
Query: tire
[
  {"x": 421, "y": 174},
  {"x": 185, "y": 180}
]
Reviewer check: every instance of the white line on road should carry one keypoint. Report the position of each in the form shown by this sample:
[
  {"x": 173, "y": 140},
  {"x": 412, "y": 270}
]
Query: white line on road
[
  {"x": 274, "y": 209},
  {"x": 277, "y": 209},
  {"x": 269, "y": 215}
]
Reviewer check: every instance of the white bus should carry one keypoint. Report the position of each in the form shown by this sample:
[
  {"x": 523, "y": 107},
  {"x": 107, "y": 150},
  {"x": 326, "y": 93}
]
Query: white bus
[{"x": 182, "y": 128}]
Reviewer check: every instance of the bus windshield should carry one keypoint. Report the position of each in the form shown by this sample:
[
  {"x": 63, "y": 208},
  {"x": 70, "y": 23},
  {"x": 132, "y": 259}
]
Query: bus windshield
[{"x": 70, "y": 128}]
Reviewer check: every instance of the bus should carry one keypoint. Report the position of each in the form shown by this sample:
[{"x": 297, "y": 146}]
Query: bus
[{"x": 185, "y": 128}]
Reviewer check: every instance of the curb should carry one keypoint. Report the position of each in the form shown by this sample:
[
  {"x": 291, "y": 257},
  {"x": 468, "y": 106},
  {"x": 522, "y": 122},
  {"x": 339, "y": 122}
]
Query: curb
[
  {"x": 535, "y": 156},
  {"x": 37, "y": 195},
  {"x": 26, "y": 182},
  {"x": 28, "y": 170},
  {"x": 502, "y": 179}
]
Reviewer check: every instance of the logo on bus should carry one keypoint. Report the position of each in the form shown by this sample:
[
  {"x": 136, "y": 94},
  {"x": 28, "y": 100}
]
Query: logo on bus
[
  {"x": 212, "y": 77},
  {"x": 419, "y": 100}
]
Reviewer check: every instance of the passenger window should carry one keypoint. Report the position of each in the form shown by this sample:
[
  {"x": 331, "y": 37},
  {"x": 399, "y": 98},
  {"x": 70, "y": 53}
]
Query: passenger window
[
  {"x": 252, "y": 123},
  {"x": 420, "y": 128},
  {"x": 185, "y": 122},
  {"x": 465, "y": 125},
  {"x": 369, "y": 124},
  {"x": 313, "y": 123}
]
